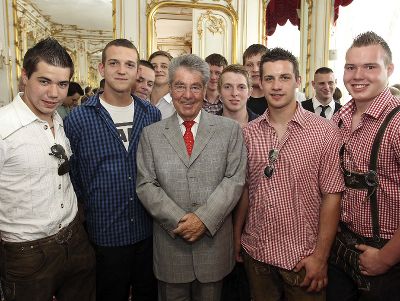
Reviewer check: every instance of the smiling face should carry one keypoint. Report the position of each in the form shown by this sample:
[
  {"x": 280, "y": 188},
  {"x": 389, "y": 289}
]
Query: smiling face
[
  {"x": 187, "y": 92},
  {"x": 215, "y": 73},
  {"x": 365, "y": 72},
  {"x": 119, "y": 69},
  {"x": 252, "y": 66},
  {"x": 144, "y": 82},
  {"x": 234, "y": 91},
  {"x": 160, "y": 64},
  {"x": 46, "y": 89},
  {"x": 324, "y": 85},
  {"x": 279, "y": 84}
]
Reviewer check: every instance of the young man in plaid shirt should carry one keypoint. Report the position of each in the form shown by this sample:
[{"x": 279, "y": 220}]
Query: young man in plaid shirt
[
  {"x": 293, "y": 183},
  {"x": 375, "y": 219}
]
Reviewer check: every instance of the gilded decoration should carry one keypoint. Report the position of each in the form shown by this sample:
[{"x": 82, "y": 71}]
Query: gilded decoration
[{"x": 213, "y": 23}]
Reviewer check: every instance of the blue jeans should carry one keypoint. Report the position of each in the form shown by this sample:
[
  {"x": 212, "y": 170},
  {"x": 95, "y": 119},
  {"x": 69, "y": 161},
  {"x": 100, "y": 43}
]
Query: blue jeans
[{"x": 384, "y": 287}]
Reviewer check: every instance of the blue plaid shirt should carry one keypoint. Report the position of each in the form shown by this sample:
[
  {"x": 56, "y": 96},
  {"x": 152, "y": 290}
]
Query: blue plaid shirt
[{"x": 103, "y": 172}]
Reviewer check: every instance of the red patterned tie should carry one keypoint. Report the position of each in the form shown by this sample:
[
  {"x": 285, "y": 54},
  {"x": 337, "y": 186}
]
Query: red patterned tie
[{"x": 188, "y": 136}]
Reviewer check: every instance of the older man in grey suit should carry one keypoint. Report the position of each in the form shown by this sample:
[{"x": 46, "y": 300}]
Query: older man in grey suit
[{"x": 191, "y": 171}]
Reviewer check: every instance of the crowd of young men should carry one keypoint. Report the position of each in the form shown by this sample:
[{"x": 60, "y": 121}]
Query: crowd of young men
[{"x": 303, "y": 197}]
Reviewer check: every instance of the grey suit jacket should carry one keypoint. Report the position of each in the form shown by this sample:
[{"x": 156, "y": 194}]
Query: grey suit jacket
[{"x": 208, "y": 183}]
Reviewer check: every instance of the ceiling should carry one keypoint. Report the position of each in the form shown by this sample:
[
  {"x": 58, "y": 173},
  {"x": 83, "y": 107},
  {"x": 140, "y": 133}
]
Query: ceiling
[{"x": 85, "y": 14}]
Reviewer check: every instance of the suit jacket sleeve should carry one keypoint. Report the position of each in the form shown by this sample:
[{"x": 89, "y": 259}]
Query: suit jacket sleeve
[
  {"x": 224, "y": 198},
  {"x": 160, "y": 206}
]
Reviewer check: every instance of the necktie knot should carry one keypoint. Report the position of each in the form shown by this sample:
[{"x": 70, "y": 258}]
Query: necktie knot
[
  {"x": 323, "y": 109},
  {"x": 188, "y": 136},
  {"x": 188, "y": 124}
]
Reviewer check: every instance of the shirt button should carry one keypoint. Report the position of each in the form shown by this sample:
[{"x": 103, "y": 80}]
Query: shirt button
[
  {"x": 62, "y": 205},
  {"x": 130, "y": 178},
  {"x": 194, "y": 204},
  {"x": 59, "y": 186},
  {"x": 59, "y": 226},
  {"x": 45, "y": 127},
  {"x": 131, "y": 199},
  {"x": 131, "y": 219}
]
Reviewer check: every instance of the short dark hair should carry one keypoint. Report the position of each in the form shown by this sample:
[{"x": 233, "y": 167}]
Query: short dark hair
[
  {"x": 49, "y": 51},
  {"x": 102, "y": 83},
  {"x": 88, "y": 89},
  {"x": 162, "y": 53},
  {"x": 253, "y": 50},
  {"x": 146, "y": 64},
  {"x": 280, "y": 54},
  {"x": 370, "y": 38},
  {"x": 323, "y": 70},
  {"x": 74, "y": 88},
  {"x": 119, "y": 43},
  {"x": 215, "y": 59}
]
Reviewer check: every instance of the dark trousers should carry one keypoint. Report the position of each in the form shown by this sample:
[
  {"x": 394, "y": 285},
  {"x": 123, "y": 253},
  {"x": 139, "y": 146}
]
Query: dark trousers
[
  {"x": 120, "y": 268},
  {"x": 235, "y": 285},
  {"x": 341, "y": 286},
  {"x": 61, "y": 265}
]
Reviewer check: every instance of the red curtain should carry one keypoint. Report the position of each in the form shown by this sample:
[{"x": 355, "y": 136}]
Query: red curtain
[
  {"x": 339, "y": 3},
  {"x": 280, "y": 11}
]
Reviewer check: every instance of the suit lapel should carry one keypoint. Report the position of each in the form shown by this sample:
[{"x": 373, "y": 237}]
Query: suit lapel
[
  {"x": 175, "y": 138},
  {"x": 205, "y": 131}
]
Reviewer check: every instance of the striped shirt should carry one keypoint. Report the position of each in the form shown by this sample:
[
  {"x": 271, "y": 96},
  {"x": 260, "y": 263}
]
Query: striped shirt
[
  {"x": 355, "y": 212},
  {"x": 283, "y": 215},
  {"x": 104, "y": 172}
]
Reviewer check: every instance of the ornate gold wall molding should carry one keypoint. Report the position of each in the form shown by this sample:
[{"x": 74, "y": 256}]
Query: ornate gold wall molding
[
  {"x": 309, "y": 28},
  {"x": 155, "y": 5},
  {"x": 212, "y": 22}
]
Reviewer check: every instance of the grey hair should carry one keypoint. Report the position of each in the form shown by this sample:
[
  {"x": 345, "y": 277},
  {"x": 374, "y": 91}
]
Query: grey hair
[{"x": 190, "y": 62}]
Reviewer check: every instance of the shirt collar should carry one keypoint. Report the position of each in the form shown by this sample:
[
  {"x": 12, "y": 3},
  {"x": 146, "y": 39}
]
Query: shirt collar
[
  {"x": 317, "y": 103},
  {"x": 25, "y": 114},
  {"x": 196, "y": 120},
  {"x": 299, "y": 117},
  {"x": 167, "y": 97},
  {"x": 376, "y": 108}
]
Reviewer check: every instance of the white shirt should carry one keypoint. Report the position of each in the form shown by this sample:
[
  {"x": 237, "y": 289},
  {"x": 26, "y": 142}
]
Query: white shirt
[
  {"x": 166, "y": 106},
  {"x": 35, "y": 202},
  {"x": 122, "y": 118},
  {"x": 194, "y": 127},
  {"x": 328, "y": 111}
]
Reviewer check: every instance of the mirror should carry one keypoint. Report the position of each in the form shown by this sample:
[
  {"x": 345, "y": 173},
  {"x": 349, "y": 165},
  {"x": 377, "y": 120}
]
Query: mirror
[
  {"x": 193, "y": 23},
  {"x": 82, "y": 27}
]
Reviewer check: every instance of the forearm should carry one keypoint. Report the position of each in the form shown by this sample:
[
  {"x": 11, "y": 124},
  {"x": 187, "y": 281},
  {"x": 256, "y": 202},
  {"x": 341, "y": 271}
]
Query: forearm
[
  {"x": 328, "y": 223},
  {"x": 390, "y": 253}
]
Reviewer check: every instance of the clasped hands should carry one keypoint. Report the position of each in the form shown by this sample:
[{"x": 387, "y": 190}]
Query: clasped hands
[{"x": 190, "y": 227}]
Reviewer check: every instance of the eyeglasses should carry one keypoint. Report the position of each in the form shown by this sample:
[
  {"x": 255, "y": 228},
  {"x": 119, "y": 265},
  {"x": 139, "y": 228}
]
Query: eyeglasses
[
  {"x": 183, "y": 88},
  {"x": 59, "y": 152},
  {"x": 272, "y": 157}
]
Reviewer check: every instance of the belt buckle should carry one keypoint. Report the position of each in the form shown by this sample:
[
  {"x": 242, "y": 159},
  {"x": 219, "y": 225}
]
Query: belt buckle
[{"x": 63, "y": 236}]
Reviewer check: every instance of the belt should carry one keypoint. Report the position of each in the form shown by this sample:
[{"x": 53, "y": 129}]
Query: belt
[{"x": 61, "y": 237}]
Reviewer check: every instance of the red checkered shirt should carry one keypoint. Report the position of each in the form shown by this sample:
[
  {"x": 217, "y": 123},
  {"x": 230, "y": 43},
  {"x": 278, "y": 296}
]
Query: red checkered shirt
[
  {"x": 283, "y": 216},
  {"x": 355, "y": 212}
]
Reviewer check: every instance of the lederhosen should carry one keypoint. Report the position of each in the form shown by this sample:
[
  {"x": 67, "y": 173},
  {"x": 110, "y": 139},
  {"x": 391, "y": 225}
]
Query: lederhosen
[{"x": 344, "y": 254}]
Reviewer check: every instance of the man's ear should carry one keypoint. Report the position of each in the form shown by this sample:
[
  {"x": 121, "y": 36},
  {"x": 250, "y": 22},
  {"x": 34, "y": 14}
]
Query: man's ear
[{"x": 101, "y": 69}]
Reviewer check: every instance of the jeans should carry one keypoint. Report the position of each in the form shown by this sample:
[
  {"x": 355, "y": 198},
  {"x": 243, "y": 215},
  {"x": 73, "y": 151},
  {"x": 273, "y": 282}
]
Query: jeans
[
  {"x": 60, "y": 265},
  {"x": 270, "y": 283},
  {"x": 120, "y": 268},
  {"x": 342, "y": 287}
]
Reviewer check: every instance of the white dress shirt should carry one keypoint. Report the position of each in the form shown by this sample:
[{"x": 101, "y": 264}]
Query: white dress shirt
[
  {"x": 328, "y": 111},
  {"x": 35, "y": 202},
  {"x": 194, "y": 127},
  {"x": 166, "y": 106}
]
